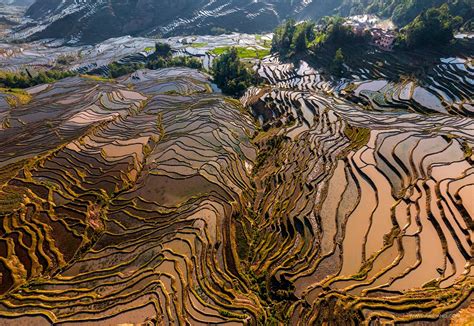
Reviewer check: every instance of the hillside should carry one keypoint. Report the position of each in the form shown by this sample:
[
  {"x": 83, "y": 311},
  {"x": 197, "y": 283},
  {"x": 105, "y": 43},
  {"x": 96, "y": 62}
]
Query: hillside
[
  {"x": 322, "y": 174},
  {"x": 153, "y": 198},
  {"x": 93, "y": 21}
]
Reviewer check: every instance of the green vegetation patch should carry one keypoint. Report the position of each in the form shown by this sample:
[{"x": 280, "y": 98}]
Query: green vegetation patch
[
  {"x": 25, "y": 79},
  {"x": 272, "y": 146},
  {"x": 359, "y": 137},
  {"x": 181, "y": 61},
  {"x": 11, "y": 200},
  {"x": 231, "y": 75},
  {"x": 117, "y": 70},
  {"x": 433, "y": 27},
  {"x": 97, "y": 78},
  {"x": 243, "y": 52},
  {"x": 65, "y": 59},
  {"x": 198, "y": 45},
  {"x": 468, "y": 150},
  {"x": 16, "y": 96}
]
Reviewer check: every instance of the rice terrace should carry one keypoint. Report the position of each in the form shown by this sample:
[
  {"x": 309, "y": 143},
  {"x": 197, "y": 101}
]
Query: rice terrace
[{"x": 236, "y": 162}]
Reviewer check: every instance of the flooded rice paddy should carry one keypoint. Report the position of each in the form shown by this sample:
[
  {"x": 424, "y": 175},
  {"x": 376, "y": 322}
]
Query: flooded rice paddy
[{"x": 152, "y": 198}]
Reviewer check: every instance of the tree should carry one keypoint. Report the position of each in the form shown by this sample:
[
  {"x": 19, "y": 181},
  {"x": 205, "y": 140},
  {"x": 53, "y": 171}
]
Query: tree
[
  {"x": 230, "y": 74},
  {"x": 300, "y": 43},
  {"x": 162, "y": 50},
  {"x": 337, "y": 65},
  {"x": 156, "y": 63},
  {"x": 283, "y": 37},
  {"x": 292, "y": 38},
  {"x": 303, "y": 34},
  {"x": 185, "y": 61}
]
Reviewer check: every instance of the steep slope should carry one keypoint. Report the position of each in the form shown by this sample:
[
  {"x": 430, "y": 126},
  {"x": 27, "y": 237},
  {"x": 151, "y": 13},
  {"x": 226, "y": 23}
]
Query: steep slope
[
  {"x": 362, "y": 216},
  {"x": 126, "y": 198},
  {"x": 403, "y": 12},
  {"x": 92, "y": 21},
  {"x": 153, "y": 199}
]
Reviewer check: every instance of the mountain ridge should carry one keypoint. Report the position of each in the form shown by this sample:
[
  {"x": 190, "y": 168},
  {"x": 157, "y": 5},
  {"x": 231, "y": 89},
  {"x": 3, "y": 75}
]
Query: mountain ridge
[{"x": 94, "y": 21}]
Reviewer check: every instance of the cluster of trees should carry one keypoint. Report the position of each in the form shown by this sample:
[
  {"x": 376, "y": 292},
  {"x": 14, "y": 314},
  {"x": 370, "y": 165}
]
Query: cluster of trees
[
  {"x": 330, "y": 37},
  {"x": 163, "y": 58},
  {"x": 433, "y": 27},
  {"x": 231, "y": 75},
  {"x": 24, "y": 79},
  {"x": 293, "y": 38},
  {"x": 117, "y": 70},
  {"x": 162, "y": 50},
  {"x": 403, "y": 12},
  {"x": 65, "y": 59},
  {"x": 181, "y": 61},
  {"x": 333, "y": 34}
]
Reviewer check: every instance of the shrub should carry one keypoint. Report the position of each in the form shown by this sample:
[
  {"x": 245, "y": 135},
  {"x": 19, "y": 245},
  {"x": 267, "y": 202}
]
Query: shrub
[
  {"x": 162, "y": 49},
  {"x": 118, "y": 70}
]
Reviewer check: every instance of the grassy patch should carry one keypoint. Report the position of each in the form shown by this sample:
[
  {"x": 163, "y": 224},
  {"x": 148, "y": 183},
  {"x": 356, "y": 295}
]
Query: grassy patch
[
  {"x": 242, "y": 242},
  {"x": 220, "y": 50},
  {"x": 97, "y": 78},
  {"x": 267, "y": 43},
  {"x": 198, "y": 45},
  {"x": 149, "y": 49},
  {"x": 229, "y": 314},
  {"x": 243, "y": 52},
  {"x": 172, "y": 92}
]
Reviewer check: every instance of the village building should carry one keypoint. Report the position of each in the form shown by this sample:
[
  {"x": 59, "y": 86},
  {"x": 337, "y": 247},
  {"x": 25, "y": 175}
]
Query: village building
[
  {"x": 383, "y": 35},
  {"x": 383, "y": 39}
]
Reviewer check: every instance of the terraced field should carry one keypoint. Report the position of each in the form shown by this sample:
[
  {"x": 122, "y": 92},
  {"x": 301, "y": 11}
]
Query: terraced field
[
  {"x": 152, "y": 199},
  {"x": 385, "y": 82},
  {"x": 44, "y": 54},
  {"x": 116, "y": 202},
  {"x": 368, "y": 210}
]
